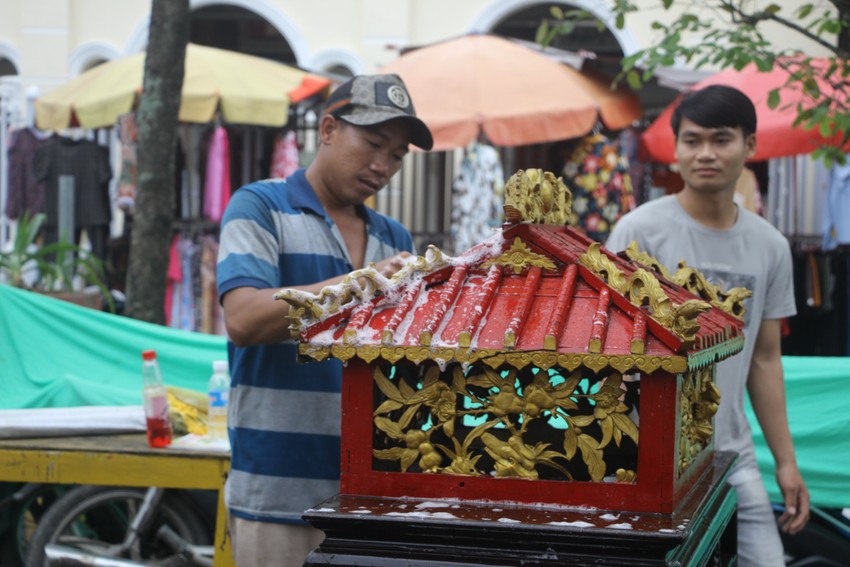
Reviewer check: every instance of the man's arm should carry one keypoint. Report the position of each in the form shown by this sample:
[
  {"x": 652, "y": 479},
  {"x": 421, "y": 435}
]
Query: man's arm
[
  {"x": 766, "y": 386},
  {"x": 252, "y": 316}
]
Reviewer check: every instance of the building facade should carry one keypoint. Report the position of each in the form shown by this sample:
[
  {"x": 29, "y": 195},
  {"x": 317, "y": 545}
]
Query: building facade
[{"x": 45, "y": 43}]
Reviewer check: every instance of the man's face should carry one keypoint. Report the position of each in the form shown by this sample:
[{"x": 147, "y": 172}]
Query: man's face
[
  {"x": 366, "y": 157},
  {"x": 711, "y": 159}
]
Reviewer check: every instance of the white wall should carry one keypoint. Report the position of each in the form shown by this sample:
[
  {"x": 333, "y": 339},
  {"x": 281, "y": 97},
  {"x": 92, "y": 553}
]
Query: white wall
[{"x": 53, "y": 40}]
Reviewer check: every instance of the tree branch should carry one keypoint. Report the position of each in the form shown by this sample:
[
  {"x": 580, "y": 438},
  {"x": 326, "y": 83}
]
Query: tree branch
[{"x": 757, "y": 17}]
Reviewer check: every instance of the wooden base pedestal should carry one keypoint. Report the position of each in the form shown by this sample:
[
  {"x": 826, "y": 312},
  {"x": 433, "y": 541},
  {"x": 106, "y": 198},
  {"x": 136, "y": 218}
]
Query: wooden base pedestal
[{"x": 374, "y": 531}]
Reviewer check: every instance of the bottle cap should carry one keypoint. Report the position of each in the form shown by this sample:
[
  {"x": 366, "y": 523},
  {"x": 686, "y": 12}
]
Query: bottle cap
[
  {"x": 148, "y": 355},
  {"x": 219, "y": 366}
]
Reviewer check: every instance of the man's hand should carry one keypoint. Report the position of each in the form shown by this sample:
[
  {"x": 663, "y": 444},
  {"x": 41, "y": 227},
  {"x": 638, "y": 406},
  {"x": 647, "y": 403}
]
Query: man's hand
[
  {"x": 796, "y": 496},
  {"x": 389, "y": 266}
]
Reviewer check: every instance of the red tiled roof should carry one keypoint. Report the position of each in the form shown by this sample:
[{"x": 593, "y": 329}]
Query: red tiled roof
[{"x": 535, "y": 294}]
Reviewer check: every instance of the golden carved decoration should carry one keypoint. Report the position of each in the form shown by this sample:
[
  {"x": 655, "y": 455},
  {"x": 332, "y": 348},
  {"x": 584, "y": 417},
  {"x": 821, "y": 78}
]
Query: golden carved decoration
[
  {"x": 644, "y": 290},
  {"x": 625, "y": 475},
  {"x": 637, "y": 255},
  {"x": 537, "y": 196},
  {"x": 540, "y": 359},
  {"x": 600, "y": 264},
  {"x": 731, "y": 301},
  {"x": 504, "y": 404},
  {"x": 684, "y": 319},
  {"x": 308, "y": 308},
  {"x": 519, "y": 257},
  {"x": 698, "y": 402}
]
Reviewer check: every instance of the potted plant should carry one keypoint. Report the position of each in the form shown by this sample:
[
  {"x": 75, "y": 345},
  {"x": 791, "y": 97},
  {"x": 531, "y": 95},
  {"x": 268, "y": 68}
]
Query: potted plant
[{"x": 51, "y": 269}]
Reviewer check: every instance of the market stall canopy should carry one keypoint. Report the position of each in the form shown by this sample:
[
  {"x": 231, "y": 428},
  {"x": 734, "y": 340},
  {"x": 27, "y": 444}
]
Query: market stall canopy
[
  {"x": 246, "y": 89},
  {"x": 776, "y": 135},
  {"x": 514, "y": 95}
]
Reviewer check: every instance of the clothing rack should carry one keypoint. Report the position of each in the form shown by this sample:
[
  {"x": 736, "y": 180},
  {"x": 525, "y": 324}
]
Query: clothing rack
[
  {"x": 822, "y": 296},
  {"x": 195, "y": 226},
  {"x": 806, "y": 242}
]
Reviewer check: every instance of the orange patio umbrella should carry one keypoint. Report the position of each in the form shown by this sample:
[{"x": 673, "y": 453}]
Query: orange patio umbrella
[
  {"x": 246, "y": 89},
  {"x": 514, "y": 95},
  {"x": 775, "y": 134}
]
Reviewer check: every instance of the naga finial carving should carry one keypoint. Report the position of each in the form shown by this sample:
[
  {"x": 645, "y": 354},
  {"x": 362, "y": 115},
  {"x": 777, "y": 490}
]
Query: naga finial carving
[{"x": 731, "y": 301}]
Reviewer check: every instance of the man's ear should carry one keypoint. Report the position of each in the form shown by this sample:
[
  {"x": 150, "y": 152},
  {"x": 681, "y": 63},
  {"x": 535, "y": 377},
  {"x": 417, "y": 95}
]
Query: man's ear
[
  {"x": 750, "y": 143},
  {"x": 327, "y": 127}
]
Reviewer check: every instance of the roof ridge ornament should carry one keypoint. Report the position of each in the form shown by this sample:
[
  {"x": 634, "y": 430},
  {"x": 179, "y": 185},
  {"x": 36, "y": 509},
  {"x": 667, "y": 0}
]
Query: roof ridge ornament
[
  {"x": 644, "y": 291},
  {"x": 731, "y": 301},
  {"x": 363, "y": 284},
  {"x": 519, "y": 256},
  {"x": 537, "y": 196}
]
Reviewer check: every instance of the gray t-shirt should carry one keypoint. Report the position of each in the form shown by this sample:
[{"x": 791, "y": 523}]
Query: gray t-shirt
[{"x": 751, "y": 254}]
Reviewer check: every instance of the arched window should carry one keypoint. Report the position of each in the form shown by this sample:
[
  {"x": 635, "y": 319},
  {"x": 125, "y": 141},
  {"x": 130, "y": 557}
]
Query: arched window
[
  {"x": 7, "y": 67},
  {"x": 239, "y": 29}
]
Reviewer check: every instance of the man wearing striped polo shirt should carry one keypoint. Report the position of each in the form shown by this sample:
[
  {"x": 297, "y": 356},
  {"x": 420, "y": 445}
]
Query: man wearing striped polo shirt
[{"x": 306, "y": 232}]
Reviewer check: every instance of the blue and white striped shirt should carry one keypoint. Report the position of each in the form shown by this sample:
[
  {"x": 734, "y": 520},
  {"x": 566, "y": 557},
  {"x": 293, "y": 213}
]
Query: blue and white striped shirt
[{"x": 284, "y": 417}]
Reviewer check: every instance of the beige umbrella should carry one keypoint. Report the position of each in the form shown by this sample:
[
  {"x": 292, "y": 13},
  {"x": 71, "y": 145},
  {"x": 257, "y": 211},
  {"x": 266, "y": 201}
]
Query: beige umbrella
[{"x": 246, "y": 89}]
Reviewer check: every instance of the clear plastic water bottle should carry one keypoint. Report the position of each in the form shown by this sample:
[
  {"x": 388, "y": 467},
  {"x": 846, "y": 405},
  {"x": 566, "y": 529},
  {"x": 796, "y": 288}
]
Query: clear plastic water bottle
[
  {"x": 219, "y": 393},
  {"x": 155, "y": 398}
]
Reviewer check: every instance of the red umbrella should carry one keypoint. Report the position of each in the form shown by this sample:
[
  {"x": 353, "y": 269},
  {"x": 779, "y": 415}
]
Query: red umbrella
[{"x": 775, "y": 136}]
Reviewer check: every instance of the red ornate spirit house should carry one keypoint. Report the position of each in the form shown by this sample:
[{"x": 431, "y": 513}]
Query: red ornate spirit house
[{"x": 536, "y": 372}]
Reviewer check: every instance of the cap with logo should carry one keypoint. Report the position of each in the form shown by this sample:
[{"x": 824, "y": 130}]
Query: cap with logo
[{"x": 367, "y": 100}]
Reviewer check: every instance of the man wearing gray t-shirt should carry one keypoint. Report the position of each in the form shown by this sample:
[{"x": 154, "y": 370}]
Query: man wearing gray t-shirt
[{"x": 715, "y": 134}]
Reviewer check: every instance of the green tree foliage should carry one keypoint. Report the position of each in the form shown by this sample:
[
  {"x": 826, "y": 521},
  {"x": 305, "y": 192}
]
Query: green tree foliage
[{"x": 721, "y": 34}]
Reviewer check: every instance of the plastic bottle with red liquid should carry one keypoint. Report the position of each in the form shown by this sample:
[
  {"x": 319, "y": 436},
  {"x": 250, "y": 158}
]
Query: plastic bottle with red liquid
[{"x": 156, "y": 402}]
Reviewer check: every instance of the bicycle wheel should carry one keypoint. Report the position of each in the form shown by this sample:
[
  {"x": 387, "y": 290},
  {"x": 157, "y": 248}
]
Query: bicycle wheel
[
  {"x": 23, "y": 516},
  {"x": 96, "y": 520}
]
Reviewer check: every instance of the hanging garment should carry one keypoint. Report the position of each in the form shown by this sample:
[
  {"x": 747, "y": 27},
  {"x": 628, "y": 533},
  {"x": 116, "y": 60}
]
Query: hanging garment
[
  {"x": 191, "y": 142},
  {"x": 822, "y": 295},
  {"x": 128, "y": 179},
  {"x": 212, "y": 316},
  {"x": 476, "y": 196},
  {"x": 173, "y": 283},
  {"x": 182, "y": 288},
  {"x": 217, "y": 184},
  {"x": 797, "y": 195},
  {"x": 284, "y": 156},
  {"x": 837, "y": 217},
  {"x": 747, "y": 192},
  {"x": 629, "y": 143},
  {"x": 87, "y": 163},
  {"x": 26, "y": 191},
  {"x": 597, "y": 174}
]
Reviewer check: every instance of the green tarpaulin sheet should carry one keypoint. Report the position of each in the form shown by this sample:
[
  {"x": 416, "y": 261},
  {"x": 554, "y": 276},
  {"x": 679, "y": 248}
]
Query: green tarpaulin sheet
[
  {"x": 55, "y": 354},
  {"x": 818, "y": 399}
]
